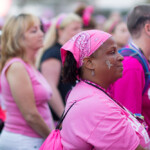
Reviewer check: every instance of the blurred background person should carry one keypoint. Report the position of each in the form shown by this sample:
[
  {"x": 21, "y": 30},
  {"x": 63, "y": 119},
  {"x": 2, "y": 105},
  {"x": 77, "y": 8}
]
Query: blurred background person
[
  {"x": 133, "y": 89},
  {"x": 115, "y": 15},
  {"x": 86, "y": 13},
  {"x": 100, "y": 21},
  {"x": 119, "y": 31},
  {"x": 49, "y": 60},
  {"x": 25, "y": 91}
]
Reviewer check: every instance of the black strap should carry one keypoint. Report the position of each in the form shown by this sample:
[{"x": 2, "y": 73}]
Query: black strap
[{"x": 63, "y": 116}]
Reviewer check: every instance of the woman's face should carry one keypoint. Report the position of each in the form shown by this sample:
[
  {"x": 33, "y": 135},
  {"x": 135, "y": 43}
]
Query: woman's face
[
  {"x": 108, "y": 62},
  {"x": 70, "y": 30},
  {"x": 33, "y": 38},
  {"x": 121, "y": 34}
]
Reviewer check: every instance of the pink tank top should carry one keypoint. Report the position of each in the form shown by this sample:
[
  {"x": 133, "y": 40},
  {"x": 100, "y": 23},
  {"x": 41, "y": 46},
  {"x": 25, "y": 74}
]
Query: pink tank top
[{"x": 42, "y": 92}]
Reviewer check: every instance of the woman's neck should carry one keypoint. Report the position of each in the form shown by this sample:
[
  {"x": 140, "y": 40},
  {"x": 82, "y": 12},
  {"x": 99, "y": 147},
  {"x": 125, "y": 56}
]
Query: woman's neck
[
  {"x": 145, "y": 46},
  {"x": 61, "y": 41},
  {"x": 30, "y": 58},
  {"x": 100, "y": 83}
]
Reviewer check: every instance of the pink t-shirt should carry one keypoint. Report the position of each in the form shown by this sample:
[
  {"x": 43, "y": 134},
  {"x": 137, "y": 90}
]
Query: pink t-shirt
[
  {"x": 42, "y": 93},
  {"x": 97, "y": 122},
  {"x": 128, "y": 89}
]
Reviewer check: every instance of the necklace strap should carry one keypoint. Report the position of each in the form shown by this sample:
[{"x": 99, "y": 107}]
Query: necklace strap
[
  {"x": 139, "y": 117},
  {"x": 104, "y": 91}
]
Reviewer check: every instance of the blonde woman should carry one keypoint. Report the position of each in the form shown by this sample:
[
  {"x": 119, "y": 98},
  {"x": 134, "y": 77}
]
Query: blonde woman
[
  {"x": 25, "y": 91},
  {"x": 49, "y": 60}
]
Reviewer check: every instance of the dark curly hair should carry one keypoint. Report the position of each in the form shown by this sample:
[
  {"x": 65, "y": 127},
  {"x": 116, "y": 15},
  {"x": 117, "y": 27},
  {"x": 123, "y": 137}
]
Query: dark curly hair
[{"x": 70, "y": 71}]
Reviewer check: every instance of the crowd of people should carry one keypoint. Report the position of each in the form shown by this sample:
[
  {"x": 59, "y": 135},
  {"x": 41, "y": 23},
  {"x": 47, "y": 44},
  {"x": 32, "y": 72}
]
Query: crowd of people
[{"x": 99, "y": 76}]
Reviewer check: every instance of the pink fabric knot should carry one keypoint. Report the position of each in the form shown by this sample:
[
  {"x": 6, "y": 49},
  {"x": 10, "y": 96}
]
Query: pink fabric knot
[{"x": 87, "y": 15}]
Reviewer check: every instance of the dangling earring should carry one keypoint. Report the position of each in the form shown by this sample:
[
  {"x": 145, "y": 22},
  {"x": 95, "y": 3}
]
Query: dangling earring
[{"x": 93, "y": 73}]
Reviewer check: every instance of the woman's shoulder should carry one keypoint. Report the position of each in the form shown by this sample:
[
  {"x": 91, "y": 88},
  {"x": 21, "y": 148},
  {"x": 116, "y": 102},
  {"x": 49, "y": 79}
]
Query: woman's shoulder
[
  {"x": 15, "y": 65},
  {"x": 80, "y": 91},
  {"x": 14, "y": 62},
  {"x": 82, "y": 88},
  {"x": 95, "y": 98}
]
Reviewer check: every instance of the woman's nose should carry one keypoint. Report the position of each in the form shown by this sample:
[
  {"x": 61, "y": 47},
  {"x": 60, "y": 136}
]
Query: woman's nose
[{"x": 120, "y": 57}]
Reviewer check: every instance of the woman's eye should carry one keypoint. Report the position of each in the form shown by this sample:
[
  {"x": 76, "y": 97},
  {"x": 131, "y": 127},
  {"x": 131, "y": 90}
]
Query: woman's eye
[
  {"x": 112, "y": 52},
  {"x": 33, "y": 31}
]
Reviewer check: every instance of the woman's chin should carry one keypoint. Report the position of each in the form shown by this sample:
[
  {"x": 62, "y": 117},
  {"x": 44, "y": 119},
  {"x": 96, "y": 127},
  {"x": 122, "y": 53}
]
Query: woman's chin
[{"x": 118, "y": 77}]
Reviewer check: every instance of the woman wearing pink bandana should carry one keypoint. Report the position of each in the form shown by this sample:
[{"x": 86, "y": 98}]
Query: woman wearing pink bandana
[{"x": 96, "y": 121}]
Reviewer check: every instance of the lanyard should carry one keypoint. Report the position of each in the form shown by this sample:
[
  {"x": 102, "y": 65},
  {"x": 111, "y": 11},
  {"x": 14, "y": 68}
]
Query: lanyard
[
  {"x": 139, "y": 117},
  {"x": 103, "y": 90}
]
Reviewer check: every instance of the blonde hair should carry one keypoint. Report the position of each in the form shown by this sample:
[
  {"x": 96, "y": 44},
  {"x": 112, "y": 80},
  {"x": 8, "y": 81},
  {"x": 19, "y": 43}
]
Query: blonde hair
[
  {"x": 12, "y": 36},
  {"x": 51, "y": 36}
]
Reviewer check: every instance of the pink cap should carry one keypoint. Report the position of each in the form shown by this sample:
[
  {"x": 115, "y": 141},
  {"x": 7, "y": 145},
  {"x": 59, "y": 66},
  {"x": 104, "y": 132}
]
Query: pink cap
[{"x": 84, "y": 44}]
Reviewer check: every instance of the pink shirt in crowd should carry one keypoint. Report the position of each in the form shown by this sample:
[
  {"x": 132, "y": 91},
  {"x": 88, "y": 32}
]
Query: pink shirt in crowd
[
  {"x": 97, "y": 122},
  {"x": 42, "y": 92},
  {"x": 128, "y": 89}
]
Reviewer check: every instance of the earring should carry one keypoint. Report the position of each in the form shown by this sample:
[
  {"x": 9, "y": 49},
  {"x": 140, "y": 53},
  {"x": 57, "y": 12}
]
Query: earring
[{"x": 93, "y": 73}]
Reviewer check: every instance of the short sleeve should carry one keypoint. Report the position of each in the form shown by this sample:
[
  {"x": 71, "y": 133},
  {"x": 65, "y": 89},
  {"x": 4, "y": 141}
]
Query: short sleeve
[
  {"x": 53, "y": 52},
  {"x": 114, "y": 132}
]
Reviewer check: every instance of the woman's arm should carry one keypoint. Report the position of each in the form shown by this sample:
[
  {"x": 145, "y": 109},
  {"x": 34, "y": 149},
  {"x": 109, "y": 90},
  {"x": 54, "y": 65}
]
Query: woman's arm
[
  {"x": 22, "y": 92},
  {"x": 51, "y": 70}
]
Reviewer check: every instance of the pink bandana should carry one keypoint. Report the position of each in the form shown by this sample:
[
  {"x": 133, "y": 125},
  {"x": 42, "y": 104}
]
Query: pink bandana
[{"x": 84, "y": 44}]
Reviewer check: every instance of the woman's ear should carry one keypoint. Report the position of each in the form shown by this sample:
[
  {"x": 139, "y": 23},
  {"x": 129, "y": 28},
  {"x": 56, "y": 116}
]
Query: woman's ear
[
  {"x": 89, "y": 63},
  {"x": 147, "y": 29}
]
